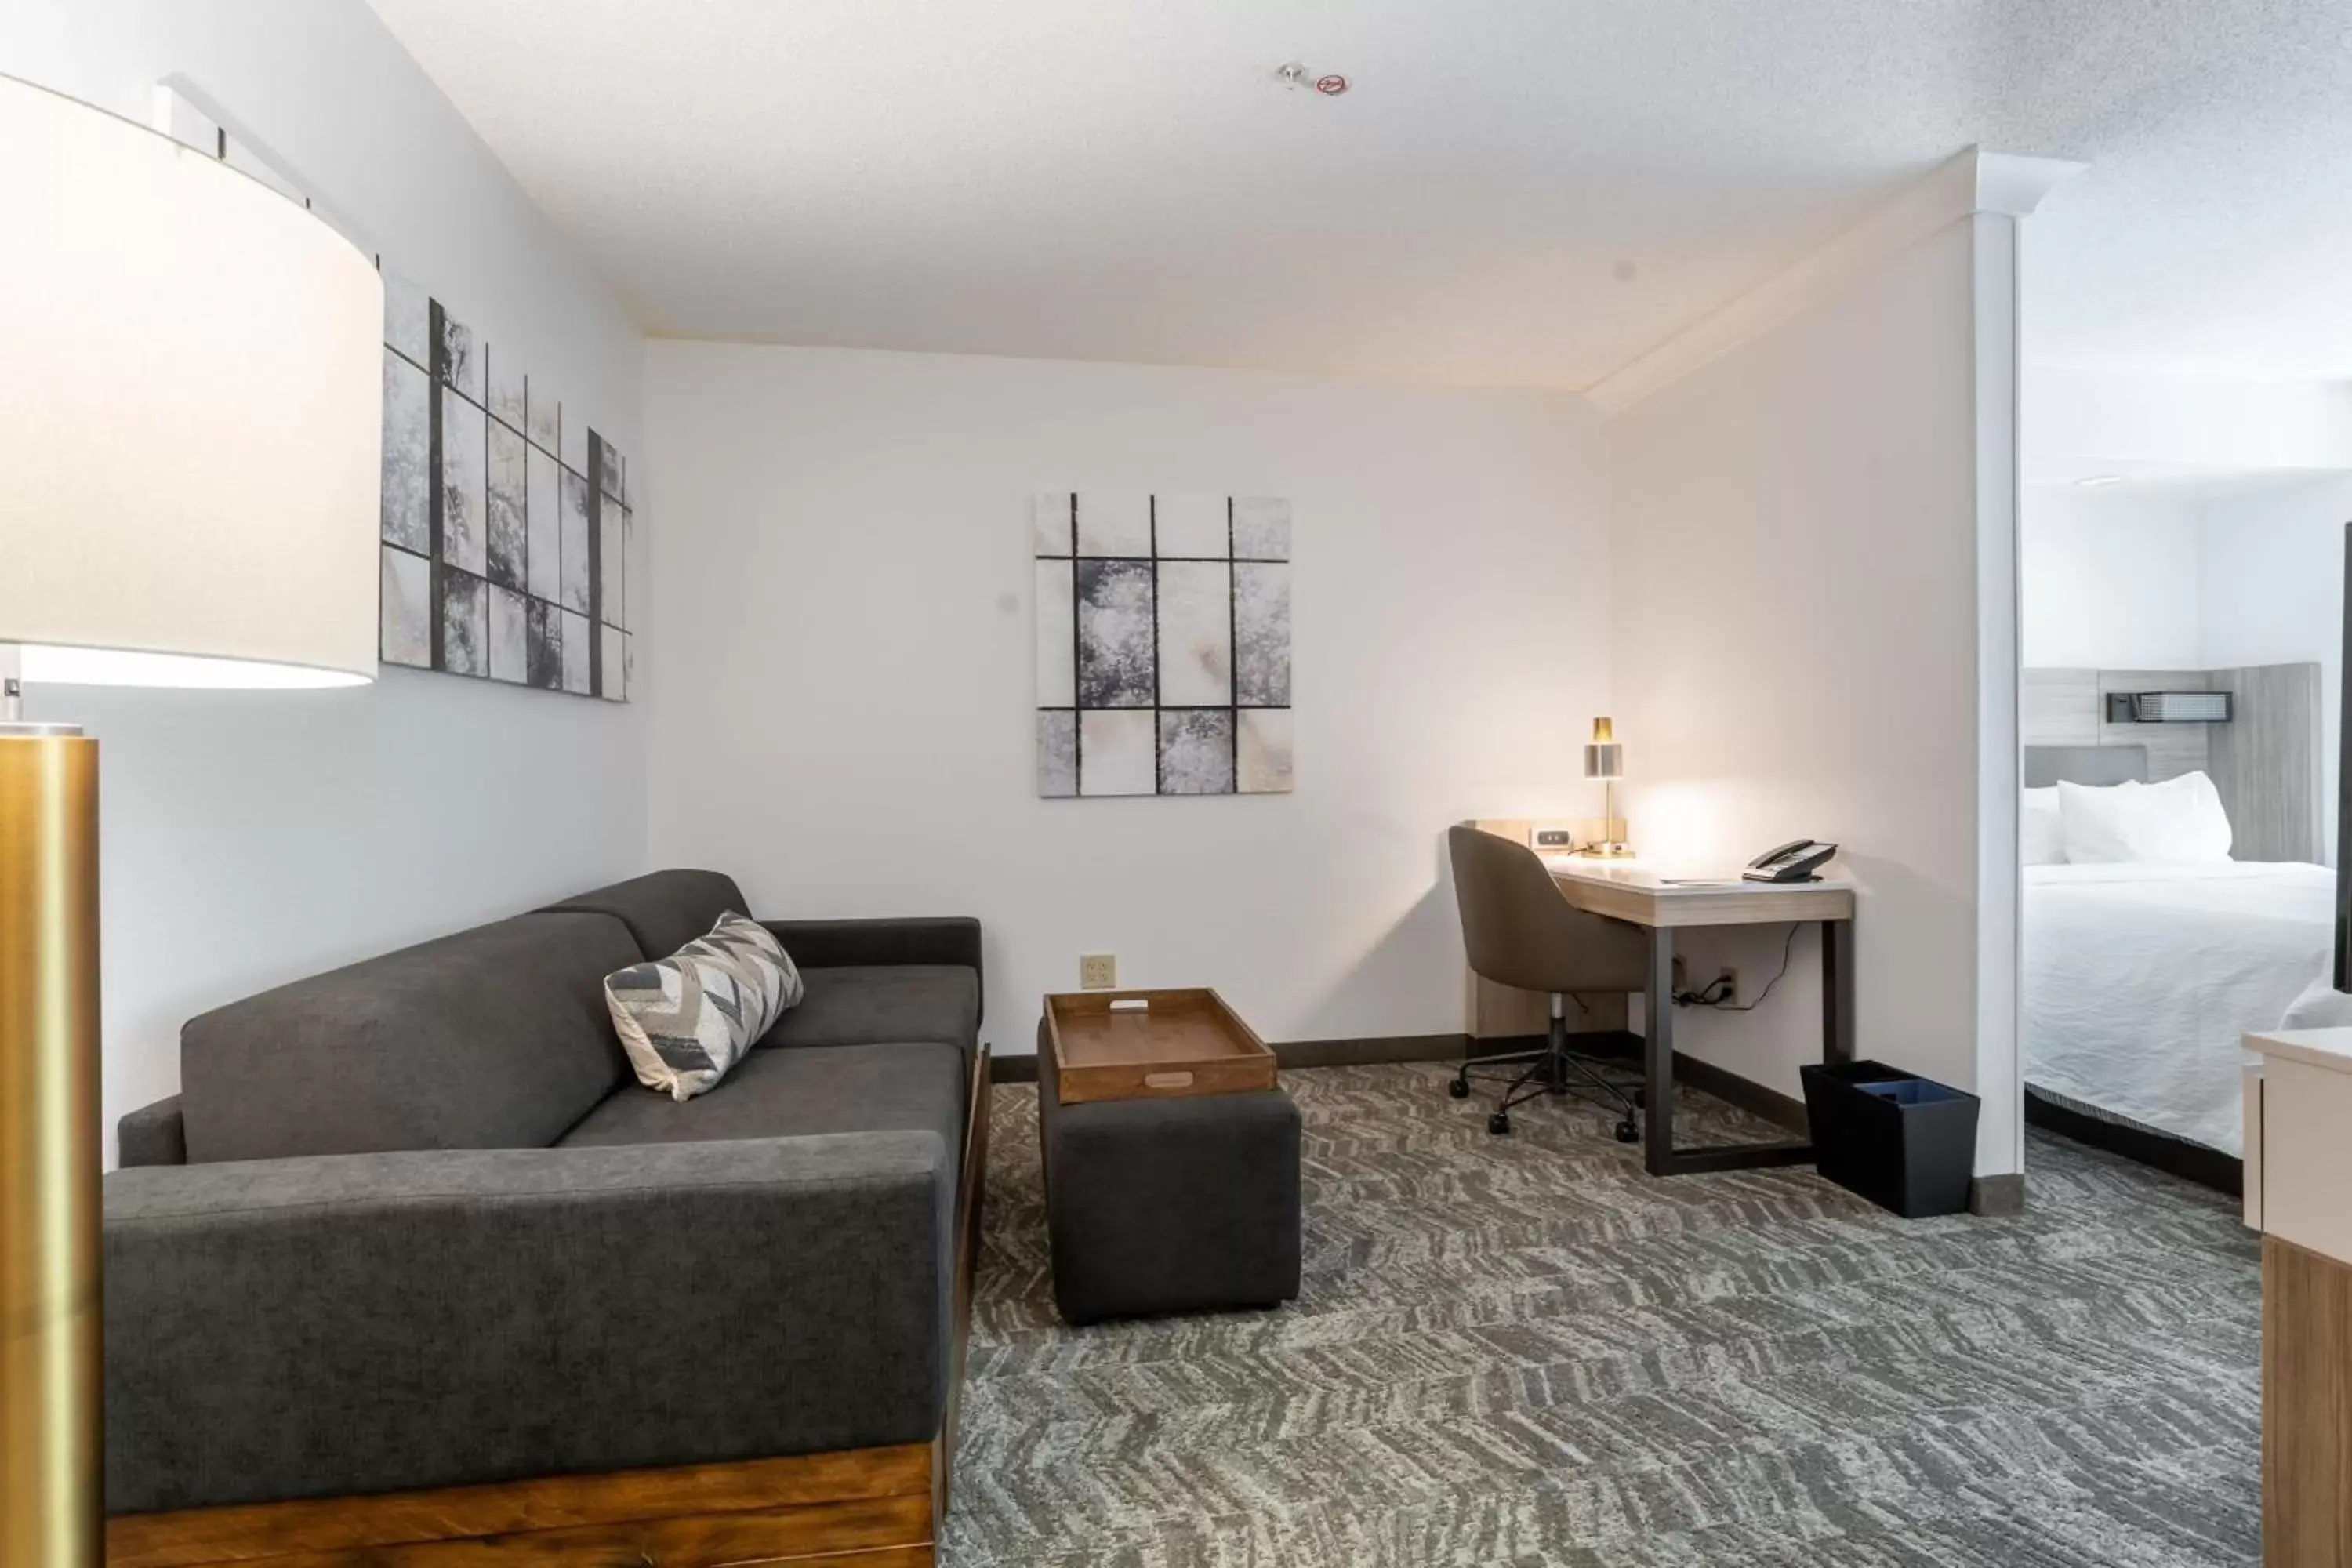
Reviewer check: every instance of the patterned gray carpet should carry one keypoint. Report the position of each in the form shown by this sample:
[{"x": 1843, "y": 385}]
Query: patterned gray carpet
[{"x": 1522, "y": 1350}]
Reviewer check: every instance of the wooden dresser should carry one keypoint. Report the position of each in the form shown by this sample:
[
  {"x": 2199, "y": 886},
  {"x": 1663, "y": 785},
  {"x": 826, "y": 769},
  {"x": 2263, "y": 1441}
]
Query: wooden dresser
[{"x": 2299, "y": 1196}]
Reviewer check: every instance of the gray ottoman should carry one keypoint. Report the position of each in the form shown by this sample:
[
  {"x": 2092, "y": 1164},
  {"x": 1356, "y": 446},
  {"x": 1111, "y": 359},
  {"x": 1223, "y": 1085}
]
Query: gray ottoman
[{"x": 1169, "y": 1205}]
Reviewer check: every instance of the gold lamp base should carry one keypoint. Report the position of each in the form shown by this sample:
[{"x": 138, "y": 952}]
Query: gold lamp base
[{"x": 52, "y": 1510}]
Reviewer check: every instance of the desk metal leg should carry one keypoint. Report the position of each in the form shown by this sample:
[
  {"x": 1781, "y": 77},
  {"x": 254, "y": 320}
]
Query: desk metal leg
[
  {"x": 1837, "y": 991},
  {"x": 1659, "y": 1153},
  {"x": 1658, "y": 1054}
]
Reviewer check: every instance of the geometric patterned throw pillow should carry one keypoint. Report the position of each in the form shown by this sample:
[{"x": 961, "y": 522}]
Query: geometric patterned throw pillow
[{"x": 687, "y": 1018}]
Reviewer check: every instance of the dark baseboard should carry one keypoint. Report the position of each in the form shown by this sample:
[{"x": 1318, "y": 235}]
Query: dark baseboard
[
  {"x": 2189, "y": 1161},
  {"x": 1996, "y": 1197},
  {"x": 1745, "y": 1093},
  {"x": 1617, "y": 1044},
  {"x": 1368, "y": 1050}
]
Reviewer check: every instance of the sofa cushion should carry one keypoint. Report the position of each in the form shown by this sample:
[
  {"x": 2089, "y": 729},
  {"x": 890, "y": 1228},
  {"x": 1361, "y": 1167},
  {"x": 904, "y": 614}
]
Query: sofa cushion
[
  {"x": 864, "y": 1005},
  {"x": 891, "y": 1088},
  {"x": 663, "y": 910},
  {"x": 687, "y": 1018},
  {"x": 495, "y": 1037}
]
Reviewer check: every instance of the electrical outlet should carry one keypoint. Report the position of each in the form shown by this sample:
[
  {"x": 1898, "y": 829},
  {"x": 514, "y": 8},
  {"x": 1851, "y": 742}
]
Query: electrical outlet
[
  {"x": 1098, "y": 971},
  {"x": 1730, "y": 986}
]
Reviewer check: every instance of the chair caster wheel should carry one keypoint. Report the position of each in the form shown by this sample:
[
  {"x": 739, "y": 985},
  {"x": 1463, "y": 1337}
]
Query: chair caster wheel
[
  {"x": 1458, "y": 1090},
  {"x": 1498, "y": 1123},
  {"x": 1628, "y": 1133}
]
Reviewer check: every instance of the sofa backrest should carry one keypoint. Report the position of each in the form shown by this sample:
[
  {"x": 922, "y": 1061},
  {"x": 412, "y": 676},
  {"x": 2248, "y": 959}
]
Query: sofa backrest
[
  {"x": 496, "y": 1037},
  {"x": 663, "y": 910}
]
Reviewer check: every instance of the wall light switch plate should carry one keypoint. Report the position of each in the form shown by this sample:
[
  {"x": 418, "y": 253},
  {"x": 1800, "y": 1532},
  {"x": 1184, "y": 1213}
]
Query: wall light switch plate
[{"x": 1098, "y": 971}]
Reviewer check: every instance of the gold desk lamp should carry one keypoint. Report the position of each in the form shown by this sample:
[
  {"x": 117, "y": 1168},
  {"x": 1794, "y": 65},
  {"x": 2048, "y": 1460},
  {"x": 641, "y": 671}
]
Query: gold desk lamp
[
  {"x": 1604, "y": 758},
  {"x": 190, "y": 383}
]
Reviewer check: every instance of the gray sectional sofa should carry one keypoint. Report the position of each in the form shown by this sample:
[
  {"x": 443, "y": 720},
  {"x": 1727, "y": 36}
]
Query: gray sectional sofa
[{"x": 414, "y": 1225}]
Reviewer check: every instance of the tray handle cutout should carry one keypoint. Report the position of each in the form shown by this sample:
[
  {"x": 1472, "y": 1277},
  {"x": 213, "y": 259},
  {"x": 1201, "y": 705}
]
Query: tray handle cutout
[
  {"x": 1132, "y": 1005},
  {"x": 1168, "y": 1080}
]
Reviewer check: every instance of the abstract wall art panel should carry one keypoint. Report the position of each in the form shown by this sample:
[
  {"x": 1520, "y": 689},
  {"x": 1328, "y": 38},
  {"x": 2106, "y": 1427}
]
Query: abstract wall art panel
[
  {"x": 573, "y": 631},
  {"x": 1116, "y": 662},
  {"x": 545, "y": 660},
  {"x": 1262, "y": 751},
  {"x": 509, "y": 643},
  {"x": 506, "y": 543},
  {"x": 407, "y": 456},
  {"x": 1196, "y": 633},
  {"x": 571, "y": 511},
  {"x": 464, "y": 523},
  {"x": 407, "y": 609},
  {"x": 509, "y": 399},
  {"x": 1196, "y": 750},
  {"x": 1163, "y": 644},
  {"x": 1058, "y": 753},
  {"x": 455, "y": 360},
  {"x": 503, "y": 558},
  {"x": 1116, "y": 751},
  {"x": 465, "y": 624},
  {"x": 1262, "y": 634},
  {"x": 542, "y": 528}
]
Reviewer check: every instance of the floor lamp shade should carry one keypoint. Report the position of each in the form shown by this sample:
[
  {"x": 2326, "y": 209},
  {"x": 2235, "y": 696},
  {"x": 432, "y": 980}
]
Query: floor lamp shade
[
  {"x": 190, "y": 415},
  {"x": 190, "y": 395}
]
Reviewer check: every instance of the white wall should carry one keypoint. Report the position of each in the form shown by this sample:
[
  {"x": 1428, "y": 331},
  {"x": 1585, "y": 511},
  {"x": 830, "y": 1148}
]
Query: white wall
[
  {"x": 2109, "y": 579},
  {"x": 2132, "y": 415},
  {"x": 2208, "y": 575},
  {"x": 1798, "y": 644},
  {"x": 252, "y": 837},
  {"x": 843, "y": 712},
  {"x": 2271, "y": 575}
]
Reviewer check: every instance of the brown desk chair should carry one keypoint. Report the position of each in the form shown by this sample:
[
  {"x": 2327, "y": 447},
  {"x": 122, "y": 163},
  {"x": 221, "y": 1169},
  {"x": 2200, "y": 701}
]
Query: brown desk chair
[{"x": 1519, "y": 931}]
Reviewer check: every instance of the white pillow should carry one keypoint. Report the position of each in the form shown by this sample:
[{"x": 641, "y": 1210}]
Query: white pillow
[
  {"x": 2041, "y": 829},
  {"x": 2177, "y": 821},
  {"x": 2321, "y": 1006}
]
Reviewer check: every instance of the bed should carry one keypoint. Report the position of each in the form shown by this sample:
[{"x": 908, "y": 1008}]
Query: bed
[{"x": 2141, "y": 978}]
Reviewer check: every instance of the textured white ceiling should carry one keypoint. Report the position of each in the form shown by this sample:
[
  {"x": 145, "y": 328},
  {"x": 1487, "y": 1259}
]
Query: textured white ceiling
[{"x": 1518, "y": 192}]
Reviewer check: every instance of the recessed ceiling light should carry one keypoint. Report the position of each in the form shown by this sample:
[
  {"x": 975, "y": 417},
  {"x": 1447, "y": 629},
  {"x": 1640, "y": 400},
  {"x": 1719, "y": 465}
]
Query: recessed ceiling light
[{"x": 2094, "y": 481}]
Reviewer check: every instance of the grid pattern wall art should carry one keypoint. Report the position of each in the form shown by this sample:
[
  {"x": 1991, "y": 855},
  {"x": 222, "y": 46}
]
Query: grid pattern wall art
[
  {"x": 1163, "y": 644},
  {"x": 507, "y": 530}
]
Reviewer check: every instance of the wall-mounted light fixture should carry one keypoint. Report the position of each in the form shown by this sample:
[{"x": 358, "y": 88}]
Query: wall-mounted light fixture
[{"x": 2168, "y": 707}]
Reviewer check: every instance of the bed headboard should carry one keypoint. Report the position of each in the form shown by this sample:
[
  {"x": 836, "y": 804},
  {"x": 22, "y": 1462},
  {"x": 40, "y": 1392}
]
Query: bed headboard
[
  {"x": 2264, "y": 763},
  {"x": 2101, "y": 765}
]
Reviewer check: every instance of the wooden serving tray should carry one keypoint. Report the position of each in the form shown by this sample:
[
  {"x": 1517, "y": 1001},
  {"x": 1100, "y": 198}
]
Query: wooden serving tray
[{"x": 1147, "y": 1044}]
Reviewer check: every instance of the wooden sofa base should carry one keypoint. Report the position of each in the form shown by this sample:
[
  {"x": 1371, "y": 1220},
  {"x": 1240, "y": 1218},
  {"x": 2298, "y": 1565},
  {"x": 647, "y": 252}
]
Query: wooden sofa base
[
  {"x": 867, "y": 1507},
  {"x": 859, "y": 1508}
]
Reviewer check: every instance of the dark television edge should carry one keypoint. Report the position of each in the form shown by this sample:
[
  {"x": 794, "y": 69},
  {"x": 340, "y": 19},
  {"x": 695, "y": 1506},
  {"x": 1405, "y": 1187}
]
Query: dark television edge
[{"x": 2344, "y": 785}]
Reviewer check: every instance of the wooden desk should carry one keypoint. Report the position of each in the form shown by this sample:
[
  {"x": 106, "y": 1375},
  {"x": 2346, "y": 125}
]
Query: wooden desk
[
  {"x": 2298, "y": 1170},
  {"x": 1640, "y": 896}
]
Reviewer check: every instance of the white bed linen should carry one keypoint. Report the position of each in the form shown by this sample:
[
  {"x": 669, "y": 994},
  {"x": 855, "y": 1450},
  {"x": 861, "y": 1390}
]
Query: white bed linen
[{"x": 2139, "y": 980}]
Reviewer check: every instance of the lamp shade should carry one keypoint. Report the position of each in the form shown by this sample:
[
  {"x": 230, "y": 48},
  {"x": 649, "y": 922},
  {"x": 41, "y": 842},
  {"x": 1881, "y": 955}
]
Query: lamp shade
[
  {"x": 190, "y": 415},
  {"x": 1603, "y": 757}
]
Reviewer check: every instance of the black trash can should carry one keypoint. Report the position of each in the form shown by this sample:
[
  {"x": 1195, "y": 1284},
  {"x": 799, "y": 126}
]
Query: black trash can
[{"x": 1904, "y": 1142}]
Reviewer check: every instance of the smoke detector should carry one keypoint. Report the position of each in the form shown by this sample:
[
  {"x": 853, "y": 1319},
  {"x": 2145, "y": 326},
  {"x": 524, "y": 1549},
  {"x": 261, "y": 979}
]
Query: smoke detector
[{"x": 1295, "y": 75}]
